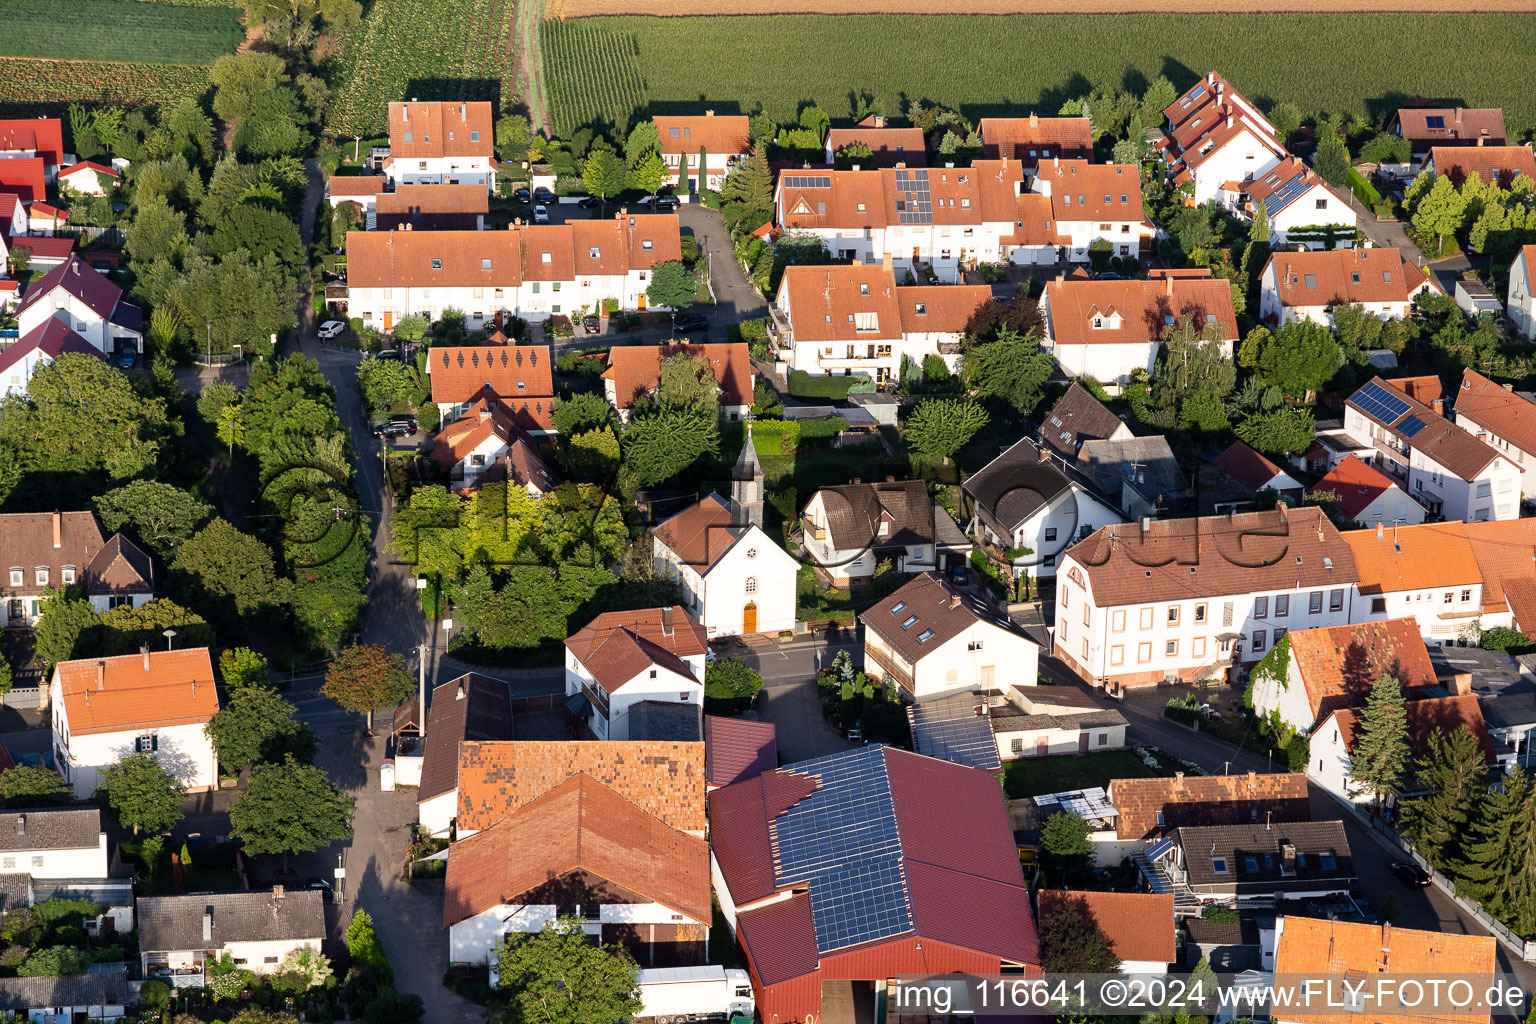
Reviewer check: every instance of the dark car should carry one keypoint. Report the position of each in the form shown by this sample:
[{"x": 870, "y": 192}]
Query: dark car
[
  {"x": 693, "y": 322},
  {"x": 543, "y": 195},
  {"x": 958, "y": 576},
  {"x": 395, "y": 428},
  {"x": 127, "y": 358},
  {"x": 1410, "y": 873},
  {"x": 319, "y": 884},
  {"x": 1108, "y": 275},
  {"x": 592, "y": 325},
  {"x": 666, "y": 202},
  {"x": 589, "y": 203},
  {"x": 522, "y": 195}
]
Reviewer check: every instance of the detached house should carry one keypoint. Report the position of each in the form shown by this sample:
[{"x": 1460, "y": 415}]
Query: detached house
[
  {"x": 887, "y": 146},
  {"x": 837, "y": 321},
  {"x": 486, "y": 445},
  {"x": 850, "y": 529},
  {"x": 184, "y": 935},
  {"x": 158, "y": 702},
  {"x": 1333, "y": 742},
  {"x": 1301, "y": 207},
  {"x": 720, "y": 142},
  {"x": 1214, "y": 137},
  {"x": 77, "y": 294},
  {"x": 439, "y": 143},
  {"x": 89, "y": 178},
  {"x": 1367, "y": 496},
  {"x": 1307, "y": 285},
  {"x": 932, "y": 640},
  {"x": 1500, "y": 417},
  {"x": 1445, "y": 468},
  {"x": 1109, "y": 329},
  {"x": 1255, "y": 865},
  {"x": 41, "y": 346},
  {"x": 635, "y": 370},
  {"x": 1501, "y": 164},
  {"x": 1190, "y": 598},
  {"x": 520, "y": 377},
  {"x": 1078, "y": 417},
  {"x": 1522, "y": 292},
  {"x": 620, "y": 659},
  {"x": 1032, "y": 140},
  {"x": 64, "y": 549},
  {"x": 34, "y": 138},
  {"x": 1095, "y": 203},
  {"x": 1429, "y": 127}
]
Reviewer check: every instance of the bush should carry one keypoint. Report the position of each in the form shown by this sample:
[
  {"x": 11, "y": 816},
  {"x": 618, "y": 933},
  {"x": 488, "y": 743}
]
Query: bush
[
  {"x": 1298, "y": 753},
  {"x": 1364, "y": 190},
  {"x": 1502, "y": 638},
  {"x": 775, "y": 437},
  {"x": 1185, "y": 709},
  {"x": 155, "y": 994},
  {"x": 560, "y": 326},
  {"x": 732, "y": 680}
]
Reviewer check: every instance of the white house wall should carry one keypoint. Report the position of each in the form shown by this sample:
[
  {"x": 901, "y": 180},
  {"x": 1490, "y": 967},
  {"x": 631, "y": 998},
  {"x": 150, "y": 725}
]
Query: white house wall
[
  {"x": 459, "y": 170},
  {"x": 1522, "y": 298},
  {"x": 79, "y": 317},
  {"x": 1015, "y": 744},
  {"x": 82, "y": 863},
  {"x": 436, "y": 815},
  {"x": 1494, "y": 494},
  {"x": 184, "y": 750}
]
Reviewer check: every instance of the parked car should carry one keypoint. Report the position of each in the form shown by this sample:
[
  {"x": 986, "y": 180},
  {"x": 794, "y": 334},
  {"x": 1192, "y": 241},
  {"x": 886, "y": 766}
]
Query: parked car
[
  {"x": 320, "y": 885},
  {"x": 522, "y": 195},
  {"x": 958, "y": 575},
  {"x": 592, "y": 325},
  {"x": 543, "y": 195},
  {"x": 693, "y": 322},
  {"x": 395, "y": 428},
  {"x": 664, "y": 203},
  {"x": 589, "y": 203},
  {"x": 1410, "y": 873},
  {"x": 541, "y": 214},
  {"x": 1108, "y": 275},
  {"x": 332, "y": 329}
]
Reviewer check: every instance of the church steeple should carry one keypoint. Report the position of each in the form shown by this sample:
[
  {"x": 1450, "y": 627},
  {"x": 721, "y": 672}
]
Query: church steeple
[{"x": 747, "y": 486}]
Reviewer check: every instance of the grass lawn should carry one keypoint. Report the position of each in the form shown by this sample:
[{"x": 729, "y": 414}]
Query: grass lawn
[
  {"x": 1033, "y": 776},
  {"x": 213, "y": 868},
  {"x": 110, "y": 30}
]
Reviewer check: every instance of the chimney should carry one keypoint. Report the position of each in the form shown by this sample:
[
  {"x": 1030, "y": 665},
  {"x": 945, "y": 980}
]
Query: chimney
[
  {"x": 144, "y": 653},
  {"x": 1178, "y": 782},
  {"x": 1507, "y": 388},
  {"x": 277, "y": 895},
  {"x": 954, "y": 600},
  {"x": 407, "y": 226},
  {"x": 1439, "y": 406},
  {"x": 1480, "y": 141},
  {"x": 459, "y": 694},
  {"x": 1034, "y": 119},
  {"x": 208, "y": 924},
  {"x": 1146, "y": 525},
  {"x": 21, "y": 824},
  {"x": 1458, "y": 115},
  {"x": 1386, "y": 938},
  {"x": 1380, "y": 532},
  {"x": 464, "y": 113},
  {"x": 58, "y": 529},
  {"x": 1253, "y": 781},
  {"x": 886, "y": 263},
  {"x": 666, "y": 621},
  {"x": 101, "y": 675},
  {"x": 1461, "y": 684},
  {"x": 709, "y": 113},
  {"x": 1045, "y": 454},
  {"x": 855, "y": 167}
]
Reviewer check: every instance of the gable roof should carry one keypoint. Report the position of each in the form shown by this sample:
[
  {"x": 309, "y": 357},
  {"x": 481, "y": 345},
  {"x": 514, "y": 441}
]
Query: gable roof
[
  {"x": 488, "y": 417},
  {"x": 737, "y": 749},
  {"x": 1145, "y": 309},
  {"x": 138, "y": 691},
  {"x": 50, "y": 828},
  {"x": 579, "y": 825},
  {"x": 1355, "y": 483},
  {"x": 1145, "y": 465},
  {"x": 1206, "y": 800},
  {"x": 471, "y": 707},
  {"x": 439, "y": 129},
  {"x": 1462, "y": 713},
  {"x": 855, "y": 512},
  {"x": 888, "y": 146},
  {"x": 432, "y": 207},
  {"x": 1081, "y": 190},
  {"x": 1030, "y": 139},
  {"x": 513, "y": 373},
  {"x": 825, "y": 303},
  {"x": 28, "y": 540},
  {"x": 24, "y": 177},
  {"x": 88, "y": 165},
  {"x": 1331, "y": 948},
  {"x": 985, "y": 192},
  {"x": 1502, "y": 164},
  {"x": 1034, "y": 222},
  {"x": 1247, "y": 466},
  {"x": 43, "y": 136},
  {"x": 87, "y": 284},
  {"x": 1209, "y": 115},
  {"x": 1498, "y": 408},
  {"x": 924, "y": 614},
  {"x": 1283, "y": 185},
  {"x": 939, "y": 309},
  {"x": 52, "y": 338},
  {"x": 1418, "y": 557},
  {"x": 617, "y": 646},
  {"x": 1138, "y": 925},
  {"x": 664, "y": 778},
  {"x": 636, "y": 369},
  {"x": 120, "y": 567},
  {"x": 1505, "y": 552},
  {"x": 1330, "y": 277},
  {"x": 1427, "y": 432},
  {"x": 1338, "y": 665},
  {"x": 174, "y": 923},
  {"x": 1435, "y": 124},
  {"x": 702, "y": 533},
  {"x": 363, "y": 185},
  {"x": 106, "y": 986},
  {"x": 1016, "y": 484},
  {"x": 725, "y": 134},
  {"x": 1077, "y": 417}
]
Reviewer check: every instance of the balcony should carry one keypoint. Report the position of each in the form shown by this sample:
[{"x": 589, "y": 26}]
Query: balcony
[
  {"x": 1393, "y": 449},
  {"x": 813, "y": 531},
  {"x": 888, "y": 667},
  {"x": 779, "y": 329}
]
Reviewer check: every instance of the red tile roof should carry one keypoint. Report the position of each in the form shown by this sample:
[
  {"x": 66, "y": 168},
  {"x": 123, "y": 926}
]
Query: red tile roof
[
  {"x": 985, "y": 192},
  {"x": 1081, "y": 191},
  {"x": 780, "y": 939},
  {"x": 617, "y": 646},
  {"x": 360, "y": 184},
  {"x": 737, "y": 749},
  {"x": 1034, "y": 222},
  {"x": 825, "y": 302},
  {"x": 516, "y": 374},
  {"x": 1490, "y": 163},
  {"x": 1247, "y": 466},
  {"x": 1356, "y": 484},
  {"x": 1143, "y": 307},
  {"x": 1339, "y": 664},
  {"x": 1424, "y": 389},
  {"x": 1033, "y": 138},
  {"x": 1199, "y": 800},
  {"x": 1459, "y": 123},
  {"x": 88, "y": 165},
  {"x": 488, "y": 417},
  {"x": 1327, "y": 278},
  {"x": 1209, "y": 115},
  {"x": 725, "y": 134},
  {"x": 435, "y": 259},
  {"x": 1139, "y": 925},
  {"x": 52, "y": 338},
  {"x": 939, "y": 309},
  {"x": 441, "y": 129},
  {"x": 701, "y": 533},
  {"x": 636, "y": 370},
  {"x": 43, "y": 136},
  {"x": 888, "y": 146},
  {"x": 24, "y": 177},
  {"x": 433, "y": 207},
  {"x": 1505, "y": 552},
  {"x": 1435, "y": 436},
  {"x": 1422, "y": 557},
  {"x": 138, "y": 691},
  {"x": 1425, "y": 717},
  {"x": 580, "y": 825},
  {"x": 1496, "y": 408}
]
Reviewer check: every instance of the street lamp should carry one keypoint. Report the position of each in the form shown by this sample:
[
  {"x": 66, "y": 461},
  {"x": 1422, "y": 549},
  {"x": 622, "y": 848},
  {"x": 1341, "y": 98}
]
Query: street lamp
[
  {"x": 209, "y": 325},
  {"x": 169, "y": 635}
]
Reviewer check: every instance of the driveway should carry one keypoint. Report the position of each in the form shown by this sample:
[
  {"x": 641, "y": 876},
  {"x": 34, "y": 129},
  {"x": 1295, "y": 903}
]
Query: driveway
[
  {"x": 735, "y": 297},
  {"x": 1392, "y": 233},
  {"x": 789, "y": 699}
]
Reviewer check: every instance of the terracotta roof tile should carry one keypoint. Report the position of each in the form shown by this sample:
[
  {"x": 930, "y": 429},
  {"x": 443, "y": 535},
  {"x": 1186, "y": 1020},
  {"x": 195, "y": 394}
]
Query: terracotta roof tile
[
  {"x": 433, "y": 207},
  {"x": 1139, "y": 925},
  {"x": 1505, "y": 552},
  {"x": 1424, "y": 389},
  {"x": 1421, "y": 557},
  {"x": 888, "y": 146},
  {"x": 87, "y": 165},
  {"x": 1425, "y": 717},
  {"x": 1340, "y": 664},
  {"x": 1520, "y": 595},
  {"x": 985, "y": 192},
  {"x": 1209, "y": 115},
  {"x": 701, "y": 533},
  {"x": 826, "y": 303},
  {"x": 1247, "y": 466},
  {"x": 137, "y": 691},
  {"x": 24, "y": 177},
  {"x": 1327, "y": 278},
  {"x": 435, "y": 259},
  {"x": 652, "y": 238},
  {"x": 43, "y": 136},
  {"x": 1459, "y": 123},
  {"x": 1034, "y": 222},
  {"x": 1490, "y": 163},
  {"x": 1433, "y": 436},
  {"x": 1030, "y": 139},
  {"x": 1083, "y": 191},
  {"x": 439, "y": 129},
  {"x": 1497, "y": 408},
  {"x": 360, "y": 184},
  {"x": 939, "y": 309},
  {"x": 471, "y": 707},
  {"x": 737, "y": 749},
  {"x": 1279, "y": 179},
  {"x": 723, "y": 134},
  {"x": 663, "y": 778},
  {"x": 1356, "y": 484},
  {"x": 579, "y": 825},
  {"x": 105, "y": 566},
  {"x": 636, "y": 369},
  {"x": 1144, "y": 309},
  {"x": 617, "y": 646},
  {"x": 515, "y": 374},
  {"x": 1329, "y": 949},
  {"x": 1206, "y": 800}
]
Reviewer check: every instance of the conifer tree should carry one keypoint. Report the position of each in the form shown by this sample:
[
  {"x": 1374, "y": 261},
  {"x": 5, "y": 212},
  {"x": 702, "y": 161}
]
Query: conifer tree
[
  {"x": 1500, "y": 867},
  {"x": 1380, "y": 757},
  {"x": 1453, "y": 772}
]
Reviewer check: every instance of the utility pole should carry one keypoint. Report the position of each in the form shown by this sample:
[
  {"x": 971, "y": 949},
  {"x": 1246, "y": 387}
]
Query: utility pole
[{"x": 421, "y": 693}]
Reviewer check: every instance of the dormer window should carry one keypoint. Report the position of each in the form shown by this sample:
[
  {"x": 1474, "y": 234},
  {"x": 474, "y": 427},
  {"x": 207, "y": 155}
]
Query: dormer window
[
  {"x": 1098, "y": 322},
  {"x": 18, "y": 575},
  {"x": 68, "y": 573},
  {"x": 42, "y": 576}
]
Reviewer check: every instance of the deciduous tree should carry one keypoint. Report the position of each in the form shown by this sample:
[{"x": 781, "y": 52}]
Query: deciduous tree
[
  {"x": 240, "y": 667},
  {"x": 125, "y": 629},
  {"x": 1438, "y": 214},
  {"x": 159, "y": 515},
  {"x": 1279, "y": 431},
  {"x": 143, "y": 794},
  {"x": 672, "y": 286},
  {"x": 1071, "y": 939},
  {"x": 32, "y": 785},
  {"x": 603, "y": 174},
  {"x": 255, "y": 724},
  {"x": 940, "y": 427},
  {"x": 233, "y": 566},
  {"x": 290, "y": 808},
  {"x": 558, "y": 976},
  {"x": 648, "y": 173},
  {"x": 66, "y": 619},
  {"x": 366, "y": 678}
]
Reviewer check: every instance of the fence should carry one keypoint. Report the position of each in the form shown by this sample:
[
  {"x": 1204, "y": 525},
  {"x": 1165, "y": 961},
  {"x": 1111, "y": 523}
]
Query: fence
[
  {"x": 28, "y": 697},
  {"x": 543, "y": 702}
]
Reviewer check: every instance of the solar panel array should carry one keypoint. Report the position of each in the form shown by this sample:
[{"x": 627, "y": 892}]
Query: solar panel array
[
  {"x": 954, "y": 734},
  {"x": 842, "y": 842},
  {"x": 917, "y": 207},
  {"x": 803, "y": 181},
  {"x": 1090, "y": 804},
  {"x": 1379, "y": 404},
  {"x": 1286, "y": 194},
  {"x": 1161, "y": 848},
  {"x": 1410, "y": 426}
]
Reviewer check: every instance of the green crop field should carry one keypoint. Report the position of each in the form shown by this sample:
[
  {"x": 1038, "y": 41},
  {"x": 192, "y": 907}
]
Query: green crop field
[
  {"x": 37, "y": 88},
  {"x": 616, "y": 69},
  {"x": 422, "y": 49},
  {"x": 118, "y": 30}
]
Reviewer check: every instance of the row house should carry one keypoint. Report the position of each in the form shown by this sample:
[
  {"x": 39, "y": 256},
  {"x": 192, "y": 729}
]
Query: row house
[
  {"x": 1187, "y": 599},
  {"x": 34, "y": 138},
  {"x": 634, "y": 372},
  {"x": 1502, "y": 164},
  {"x": 410, "y": 207},
  {"x": 1428, "y": 127},
  {"x": 1521, "y": 306},
  {"x": 1215, "y": 136},
  {"x": 837, "y": 321},
  {"x": 887, "y": 146},
  {"x": 944, "y": 218},
  {"x": 720, "y": 142},
  {"x": 1033, "y": 140},
  {"x": 1095, "y": 203},
  {"x": 1443, "y": 466},
  {"x": 515, "y": 380},
  {"x": 1110, "y": 329},
  {"x": 1308, "y": 285},
  {"x": 55, "y": 550},
  {"x": 1499, "y": 416},
  {"x": 532, "y": 271},
  {"x": 1302, "y": 208},
  {"x": 439, "y": 143}
]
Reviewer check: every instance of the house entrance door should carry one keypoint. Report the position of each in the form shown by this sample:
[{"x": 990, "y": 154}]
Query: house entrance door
[
  {"x": 1082, "y": 743},
  {"x": 749, "y": 618},
  {"x": 389, "y": 320},
  {"x": 987, "y": 672}
]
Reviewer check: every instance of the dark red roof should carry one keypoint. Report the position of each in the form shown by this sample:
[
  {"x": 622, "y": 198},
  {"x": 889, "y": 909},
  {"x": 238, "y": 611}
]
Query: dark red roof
[
  {"x": 738, "y": 817},
  {"x": 24, "y": 177},
  {"x": 41, "y": 135},
  {"x": 737, "y": 749},
  {"x": 52, "y": 337},
  {"x": 780, "y": 939},
  {"x": 81, "y": 280}
]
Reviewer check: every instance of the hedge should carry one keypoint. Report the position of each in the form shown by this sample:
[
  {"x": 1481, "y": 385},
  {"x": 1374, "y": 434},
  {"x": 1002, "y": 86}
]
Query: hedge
[{"x": 1364, "y": 190}]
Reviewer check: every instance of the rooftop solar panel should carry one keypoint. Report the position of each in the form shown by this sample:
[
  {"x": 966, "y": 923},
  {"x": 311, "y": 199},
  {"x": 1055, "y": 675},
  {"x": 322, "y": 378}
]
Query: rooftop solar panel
[
  {"x": 1197, "y": 92},
  {"x": 955, "y": 734},
  {"x": 804, "y": 181},
  {"x": 1380, "y": 404},
  {"x": 1411, "y": 426},
  {"x": 1286, "y": 194},
  {"x": 860, "y": 903},
  {"x": 916, "y": 204}
]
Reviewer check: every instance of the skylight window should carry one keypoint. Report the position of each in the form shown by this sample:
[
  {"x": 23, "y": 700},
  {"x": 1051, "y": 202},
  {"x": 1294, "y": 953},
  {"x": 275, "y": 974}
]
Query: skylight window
[
  {"x": 925, "y": 636},
  {"x": 485, "y": 264},
  {"x": 437, "y": 264},
  {"x": 901, "y": 606},
  {"x": 909, "y": 621},
  {"x": 1311, "y": 281}
]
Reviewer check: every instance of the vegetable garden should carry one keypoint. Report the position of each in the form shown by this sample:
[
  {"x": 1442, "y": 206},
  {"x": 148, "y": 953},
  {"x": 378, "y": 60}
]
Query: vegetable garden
[
  {"x": 114, "y": 30},
  {"x": 989, "y": 65}
]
